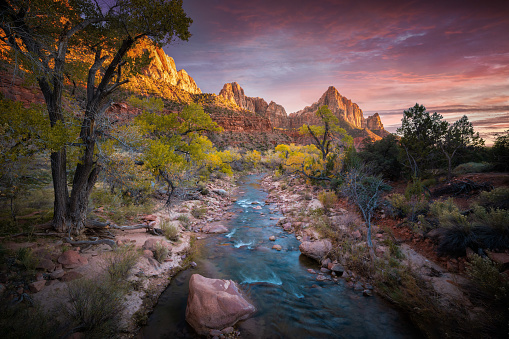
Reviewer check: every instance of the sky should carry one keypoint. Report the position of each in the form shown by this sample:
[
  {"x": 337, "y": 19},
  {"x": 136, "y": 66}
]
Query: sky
[{"x": 385, "y": 55}]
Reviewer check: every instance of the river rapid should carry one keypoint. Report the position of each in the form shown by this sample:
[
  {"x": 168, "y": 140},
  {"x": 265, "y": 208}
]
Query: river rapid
[{"x": 290, "y": 302}]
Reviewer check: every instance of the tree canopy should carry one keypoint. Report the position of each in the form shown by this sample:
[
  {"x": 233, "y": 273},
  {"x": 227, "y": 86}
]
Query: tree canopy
[{"x": 82, "y": 41}]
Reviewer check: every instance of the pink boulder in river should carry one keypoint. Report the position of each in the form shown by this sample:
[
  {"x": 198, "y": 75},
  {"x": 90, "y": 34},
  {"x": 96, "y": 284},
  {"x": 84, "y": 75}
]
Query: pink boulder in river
[{"x": 215, "y": 304}]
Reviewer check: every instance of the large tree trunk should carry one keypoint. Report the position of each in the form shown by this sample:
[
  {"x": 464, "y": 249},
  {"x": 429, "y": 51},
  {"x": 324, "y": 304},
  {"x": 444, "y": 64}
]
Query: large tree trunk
[{"x": 61, "y": 192}]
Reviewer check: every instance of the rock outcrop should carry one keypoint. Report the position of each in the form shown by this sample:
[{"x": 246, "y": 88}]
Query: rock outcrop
[
  {"x": 214, "y": 304},
  {"x": 162, "y": 69},
  {"x": 374, "y": 124},
  {"x": 340, "y": 106}
]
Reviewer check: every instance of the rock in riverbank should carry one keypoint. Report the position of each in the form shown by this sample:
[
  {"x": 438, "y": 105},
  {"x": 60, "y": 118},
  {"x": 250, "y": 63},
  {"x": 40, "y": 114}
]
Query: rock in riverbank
[{"x": 215, "y": 304}]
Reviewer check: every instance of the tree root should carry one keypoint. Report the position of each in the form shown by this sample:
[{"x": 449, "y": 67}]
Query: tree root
[{"x": 108, "y": 242}]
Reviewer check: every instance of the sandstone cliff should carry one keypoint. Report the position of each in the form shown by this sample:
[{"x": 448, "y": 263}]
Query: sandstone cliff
[
  {"x": 161, "y": 71},
  {"x": 340, "y": 106},
  {"x": 375, "y": 125},
  {"x": 274, "y": 112}
]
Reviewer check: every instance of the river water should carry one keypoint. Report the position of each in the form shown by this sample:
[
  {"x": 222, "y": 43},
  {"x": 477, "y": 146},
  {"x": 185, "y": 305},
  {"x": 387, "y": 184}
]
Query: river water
[{"x": 290, "y": 302}]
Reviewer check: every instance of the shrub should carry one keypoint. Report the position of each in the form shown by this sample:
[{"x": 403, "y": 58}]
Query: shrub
[
  {"x": 472, "y": 167},
  {"x": 328, "y": 199},
  {"x": 160, "y": 252},
  {"x": 497, "y": 198},
  {"x": 491, "y": 228},
  {"x": 198, "y": 212},
  {"x": 94, "y": 307},
  {"x": 170, "y": 230},
  {"x": 485, "y": 274},
  {"x": 120, "y": 262},
  {"x": 401, "y": 207},
  {"x": 26, "y": 257},
  {"x": 184, "y": 220}
]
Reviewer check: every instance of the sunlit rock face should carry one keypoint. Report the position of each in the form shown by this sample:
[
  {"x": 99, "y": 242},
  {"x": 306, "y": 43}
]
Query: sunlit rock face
[
  {"x": 162, "y": 68},
  {"x": 374, "y": 123},
  {"x": 340, "y": 106},
  {"x": 274, "y": 112}
]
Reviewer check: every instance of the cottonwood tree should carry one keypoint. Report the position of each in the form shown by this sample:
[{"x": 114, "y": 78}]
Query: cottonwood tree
[
  {"x": 175, "y": 147},
  {"x": 45, "y": 34},
  {"x": 330, "y": 139}
]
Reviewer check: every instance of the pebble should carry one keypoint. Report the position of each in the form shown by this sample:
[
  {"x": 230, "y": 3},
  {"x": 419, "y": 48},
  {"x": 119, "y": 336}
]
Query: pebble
[
  {"x": 367, "y": 293},
  {"x": 312, "y": 271}
]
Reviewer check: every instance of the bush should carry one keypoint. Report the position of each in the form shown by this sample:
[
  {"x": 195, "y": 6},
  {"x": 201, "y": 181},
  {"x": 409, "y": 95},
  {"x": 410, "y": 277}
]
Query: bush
[
  {"x": 401, "y": 207},
  {"x": 473, "y": 167},
  {"x": 26, "y": 257},
  {"x": 496, "y": 198},
  {"x": 170, "y": 230},
  {"x": 328, "y": 199},
  {"x": 199, "y": 212},
  {"x": 94, "y": 307},
  {"x": 160, "y": 252},
  {"x": 120, "y": 262},
  {"x": 184, "y": 220},
  {"x": 485, "y": 274}
]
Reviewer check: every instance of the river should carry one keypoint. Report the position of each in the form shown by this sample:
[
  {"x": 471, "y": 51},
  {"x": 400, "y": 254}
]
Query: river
[{"x": 290, "y": 302}]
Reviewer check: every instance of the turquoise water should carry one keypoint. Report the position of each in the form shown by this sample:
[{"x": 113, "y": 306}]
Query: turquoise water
[{"x": 290, "y": 302}]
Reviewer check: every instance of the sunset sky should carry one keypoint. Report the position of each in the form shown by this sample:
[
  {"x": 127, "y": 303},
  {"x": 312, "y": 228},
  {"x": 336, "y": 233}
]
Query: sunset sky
[{"x": 385, "y": 55}]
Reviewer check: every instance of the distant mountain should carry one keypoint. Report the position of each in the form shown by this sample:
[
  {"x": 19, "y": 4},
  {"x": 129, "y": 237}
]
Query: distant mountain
[{"x": 350, "y": 115}]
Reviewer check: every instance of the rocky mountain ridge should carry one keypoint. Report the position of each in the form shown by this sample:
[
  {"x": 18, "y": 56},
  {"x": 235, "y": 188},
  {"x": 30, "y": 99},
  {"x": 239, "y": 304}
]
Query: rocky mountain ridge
[{"x": 349, "y": 113}]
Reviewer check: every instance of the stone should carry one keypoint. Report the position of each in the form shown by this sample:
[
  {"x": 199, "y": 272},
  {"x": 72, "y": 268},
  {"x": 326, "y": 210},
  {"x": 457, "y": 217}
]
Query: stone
[
  {"x": 221, "y": 192},
  {"x": 215, "y": 333},
  {"x": 214, "y": 229},
  {"x": 324, "y": 270},
  {"x": 356, "y": 234},
  {"x": 326, "y": 262},
  {"x": 152, "y": 243},
  {"x": 277, "y": 247},
  {"x": 272, "y": 238},
  {"x": 148, "y": 254},
  {"x": 149, "y": 217},
  {"x": 338, "y": 269},
  {"x": 358, "y": 286},
  {"x": 315, "y": 204},
  {"x": 367, "y": 293},
  {"x": 193, "y": 264},
  {"x": 215, "y": 304},
  {"x": 501, "y": 259},
  {"x": 287, "y": 227},
  {"x": 46, "y": 264},
  {"x": 316, "y": 249},
  {"x": 312, "y": 271},
  {"x": 57, "y": 274},
  {"x": 228, "y": 330},
  {"x": 37, "y": 286},
  {"x": 321, "y": 277},
  {"x": 39, "y": 276},
  {"x": 72, "y": 259},
  {"x": 70, "y": 276}
]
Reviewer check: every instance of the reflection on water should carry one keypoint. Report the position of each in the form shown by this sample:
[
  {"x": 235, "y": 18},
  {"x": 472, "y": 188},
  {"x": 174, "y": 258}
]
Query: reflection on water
[{"x": 290, "y": 302}]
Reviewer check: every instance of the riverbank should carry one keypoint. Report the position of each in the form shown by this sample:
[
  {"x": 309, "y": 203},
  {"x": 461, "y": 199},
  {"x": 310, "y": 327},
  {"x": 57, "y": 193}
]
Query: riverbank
[
  {"x": 49, "y": 264},
  {"x": 335, "y": 235}
]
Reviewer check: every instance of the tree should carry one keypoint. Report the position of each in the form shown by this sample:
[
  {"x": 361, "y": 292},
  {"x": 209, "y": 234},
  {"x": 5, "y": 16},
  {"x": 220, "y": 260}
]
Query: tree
[
  {"x": 420, "y": 132},
  {"x": 457, "y": 136},
  {"x": 382, "y": 156},
  {"x": 425, "y": 135},
  {"x": 365, "y": 191},
  {"x": 45, "y": 34},
  {"x": 500, "y": 151},
  {"x": 329, "y": 138},
  {"x": 174, "y": 146}
]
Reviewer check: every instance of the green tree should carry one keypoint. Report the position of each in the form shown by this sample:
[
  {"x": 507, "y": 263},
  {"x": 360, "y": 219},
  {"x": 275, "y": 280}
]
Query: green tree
[
  {"x": 500, "y": 151},
  {"x": 382, "y": 157},
  {"x": 420, "y": 132},
  {"x": 457, "y": 136},
  {"x": 44, "y": 34}
]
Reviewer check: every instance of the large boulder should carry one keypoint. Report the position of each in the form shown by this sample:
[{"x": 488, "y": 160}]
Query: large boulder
[
  {"x": 215, "y": 304},
  {"x": 72, "y": 259},
  {"x": 214, "y": 229},
  {"x": 316, "y": 249}
]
